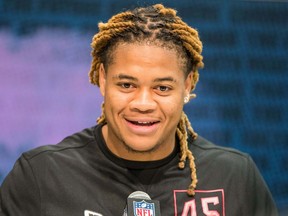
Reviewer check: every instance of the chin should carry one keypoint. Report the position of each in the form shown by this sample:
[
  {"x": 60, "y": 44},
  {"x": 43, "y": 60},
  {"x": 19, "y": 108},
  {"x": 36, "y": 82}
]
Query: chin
[{"x": 141, "y": 148}]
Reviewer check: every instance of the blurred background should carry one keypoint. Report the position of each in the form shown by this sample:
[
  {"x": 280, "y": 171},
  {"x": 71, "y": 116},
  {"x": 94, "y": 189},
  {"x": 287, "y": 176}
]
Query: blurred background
[{"x": 241, "y": 96}]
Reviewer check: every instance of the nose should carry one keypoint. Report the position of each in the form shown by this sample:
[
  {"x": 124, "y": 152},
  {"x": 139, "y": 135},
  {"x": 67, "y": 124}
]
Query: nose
[{"x": 143, "y": 101}]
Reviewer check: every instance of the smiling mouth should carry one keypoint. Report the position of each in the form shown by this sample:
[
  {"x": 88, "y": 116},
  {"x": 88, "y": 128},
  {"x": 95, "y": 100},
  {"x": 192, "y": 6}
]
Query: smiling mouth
[{"x": 139, "y": 123}]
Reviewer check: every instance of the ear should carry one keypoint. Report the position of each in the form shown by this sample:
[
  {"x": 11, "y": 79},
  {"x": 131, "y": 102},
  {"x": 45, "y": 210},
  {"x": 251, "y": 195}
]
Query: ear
[
  {"x": 102, "y": 79},
  {"x": 188, "y": 83}
]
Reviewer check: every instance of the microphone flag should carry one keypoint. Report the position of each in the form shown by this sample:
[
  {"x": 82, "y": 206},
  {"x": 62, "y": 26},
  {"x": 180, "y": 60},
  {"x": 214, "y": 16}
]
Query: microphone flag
[{"x": 141, "y": 207}]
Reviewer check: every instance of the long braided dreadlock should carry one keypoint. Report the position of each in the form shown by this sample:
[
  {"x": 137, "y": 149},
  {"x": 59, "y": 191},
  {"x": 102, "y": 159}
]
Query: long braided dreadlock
[{"x": 160, "y": 26}]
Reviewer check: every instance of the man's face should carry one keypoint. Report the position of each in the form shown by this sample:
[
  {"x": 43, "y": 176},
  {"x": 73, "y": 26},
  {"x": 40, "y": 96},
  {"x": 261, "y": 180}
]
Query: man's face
[{"x": 143, "y": 88}]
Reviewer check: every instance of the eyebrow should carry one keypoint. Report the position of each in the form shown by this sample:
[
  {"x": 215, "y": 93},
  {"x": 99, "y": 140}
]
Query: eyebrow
[
  {"x": 124, "y": 76},
  {"x": 170, "y": 79},
  {"x": 128, "y": 77}
]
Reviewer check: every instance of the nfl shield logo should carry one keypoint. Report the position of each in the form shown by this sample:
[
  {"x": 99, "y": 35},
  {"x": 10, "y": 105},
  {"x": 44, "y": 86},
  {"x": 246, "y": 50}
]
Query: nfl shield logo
[{"x": 143, "y": 208}]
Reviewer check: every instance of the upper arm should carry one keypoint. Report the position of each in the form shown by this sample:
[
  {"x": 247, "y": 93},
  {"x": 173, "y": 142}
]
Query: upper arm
[
  {"x": 19, "y": 194},
  {"x": 258, "y": 194}
]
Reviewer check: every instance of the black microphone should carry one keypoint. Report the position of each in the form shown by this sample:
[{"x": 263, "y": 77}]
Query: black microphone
[{"x": 140, "y": 203}]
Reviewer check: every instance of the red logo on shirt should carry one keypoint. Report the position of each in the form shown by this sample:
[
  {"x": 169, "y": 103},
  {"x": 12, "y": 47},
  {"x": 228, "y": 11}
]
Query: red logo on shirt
[{"x": 205, "y": 202}]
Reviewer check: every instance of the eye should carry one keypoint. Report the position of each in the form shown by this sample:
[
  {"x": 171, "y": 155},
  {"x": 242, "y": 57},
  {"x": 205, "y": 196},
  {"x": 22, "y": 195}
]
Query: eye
[
  {"x": 126, "y": 85},
  {"x": 163, "y": 88}
]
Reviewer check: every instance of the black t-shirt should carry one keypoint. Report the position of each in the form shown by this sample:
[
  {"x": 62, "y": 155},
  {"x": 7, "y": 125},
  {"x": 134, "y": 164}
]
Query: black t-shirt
[{"x": 81, "y": 177}]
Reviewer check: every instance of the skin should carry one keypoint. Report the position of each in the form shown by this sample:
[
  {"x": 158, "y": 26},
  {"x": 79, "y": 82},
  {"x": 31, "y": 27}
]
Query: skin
[{"x": 143, "y": 89}]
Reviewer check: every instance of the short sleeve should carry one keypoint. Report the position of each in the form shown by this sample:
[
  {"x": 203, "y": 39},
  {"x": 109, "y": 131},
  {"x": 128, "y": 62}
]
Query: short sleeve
[
  {"x": 259, "y": 197},
  {"x": 19, "y": 194}
]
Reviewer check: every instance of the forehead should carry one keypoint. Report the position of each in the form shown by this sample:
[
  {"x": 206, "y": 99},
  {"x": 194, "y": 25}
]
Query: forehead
[
  {"x": 145, "y": 63},
  {"x": 166, "y": 45},
  {"x": 147, "y": 52},
  {"x": 143, "y": 49},
  {"x": 146, "y": 57}
]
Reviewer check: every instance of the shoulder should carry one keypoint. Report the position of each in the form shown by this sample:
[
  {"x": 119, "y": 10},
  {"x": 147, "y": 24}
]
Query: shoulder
[
  {"x": 222, "y": 162},
  {"x": 203, "y": 149},
  {"x": 236, "y": 173},
  {"x": 206, "y": 145},
  {"x": 73, "y": 142}
]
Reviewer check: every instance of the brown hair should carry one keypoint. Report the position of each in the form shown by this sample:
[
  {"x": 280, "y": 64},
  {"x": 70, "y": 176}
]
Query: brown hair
[{"x": 160, "y": 26}]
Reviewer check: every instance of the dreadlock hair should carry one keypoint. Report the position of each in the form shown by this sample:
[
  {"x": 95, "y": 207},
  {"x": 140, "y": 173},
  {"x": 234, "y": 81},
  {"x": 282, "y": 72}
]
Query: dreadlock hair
[{"x": 162, "y": 27}]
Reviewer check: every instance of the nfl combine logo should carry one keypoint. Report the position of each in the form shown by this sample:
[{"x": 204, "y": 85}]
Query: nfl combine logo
[{"x": 143, "y": 208}]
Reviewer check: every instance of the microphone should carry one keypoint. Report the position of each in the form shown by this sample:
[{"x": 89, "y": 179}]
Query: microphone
[{"x": 140, "y": 203}]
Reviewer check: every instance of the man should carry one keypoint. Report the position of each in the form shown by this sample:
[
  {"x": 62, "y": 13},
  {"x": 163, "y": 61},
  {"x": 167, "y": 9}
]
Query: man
[{"x": 146, "y": 64}]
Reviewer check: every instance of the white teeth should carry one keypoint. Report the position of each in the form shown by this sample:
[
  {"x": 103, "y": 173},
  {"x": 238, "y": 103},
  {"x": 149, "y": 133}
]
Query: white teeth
[{"x": 144, "y": 123}]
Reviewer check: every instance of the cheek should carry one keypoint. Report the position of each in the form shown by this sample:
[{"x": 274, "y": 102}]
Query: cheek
[
  {"x": 115, "y": 100},
  {"x": 173, "y": 106}
]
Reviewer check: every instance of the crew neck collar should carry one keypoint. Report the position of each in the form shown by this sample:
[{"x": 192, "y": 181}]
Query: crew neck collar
[{"x": 129, "y": 163}]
